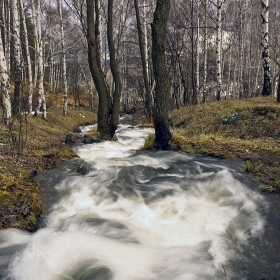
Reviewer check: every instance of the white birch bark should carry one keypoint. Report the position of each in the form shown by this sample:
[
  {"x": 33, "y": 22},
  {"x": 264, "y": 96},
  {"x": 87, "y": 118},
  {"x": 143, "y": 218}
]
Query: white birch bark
[
  {"x": 241, "y": 51},
  {"x": 267, "y": 85},
  {"x": 36, "y": 46},
  {"x": 197, "y": 54},
  {"x": 146, "y": 36},
  {"x": 7, "y": 32},
  {"x": 64, "y": 74},
  {"x": 205, "y": 51},
  {"x": 218, "y": 49},
  {"x": 16, "y": 57},
  {"x": 5, "y": 87},
  {"x": 28, "y": 60},
  {"x": 41, "y": 95}
]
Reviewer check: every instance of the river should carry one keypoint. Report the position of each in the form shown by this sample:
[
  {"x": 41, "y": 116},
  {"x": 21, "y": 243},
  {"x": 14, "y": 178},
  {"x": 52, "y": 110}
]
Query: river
[{"x": 129, "y": 215}]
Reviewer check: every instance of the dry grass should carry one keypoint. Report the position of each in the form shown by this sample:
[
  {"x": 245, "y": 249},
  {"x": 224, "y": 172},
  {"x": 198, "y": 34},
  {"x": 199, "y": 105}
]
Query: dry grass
[
  {"x": 20, "y": 197},
  {"x": 255, "y": 138}
]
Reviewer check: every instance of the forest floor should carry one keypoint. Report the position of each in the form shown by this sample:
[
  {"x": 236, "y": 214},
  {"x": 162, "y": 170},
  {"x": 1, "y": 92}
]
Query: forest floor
[{"x": 248, "y": 129}]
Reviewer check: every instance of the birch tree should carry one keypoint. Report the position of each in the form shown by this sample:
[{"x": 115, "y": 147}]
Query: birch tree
[
  {"x": 5, "y": 86},
  {"x": 219, "y": 48},
  {"x": 16, "y": 58},
  {"x": 64, "y": 74},
  {"x": 36, "y": 4},
  {"x": 28, "y": 59},
  {"x": 205, "y": 39},
  {"x": 267, "y": 85}
]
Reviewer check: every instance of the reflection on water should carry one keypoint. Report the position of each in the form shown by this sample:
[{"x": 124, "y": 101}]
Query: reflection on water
[{"x": 143, "y": 215}]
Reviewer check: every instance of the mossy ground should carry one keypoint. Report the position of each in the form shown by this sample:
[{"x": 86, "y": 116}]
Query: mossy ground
[
  {"x": 255, "y": 138},
  {"x": 20, "y": 202}
]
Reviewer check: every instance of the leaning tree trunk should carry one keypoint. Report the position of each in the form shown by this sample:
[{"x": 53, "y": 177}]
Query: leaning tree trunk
[
  {"x": 267, "y": 84},
  {"x": 162, "y": 78},
  {"x": 5, "y": 86},
  {"x": 218, "y": 49},
  {"x": 28, "y": 60},
  {"x": 16, "y": 58},
  {"x": 144, "y": 63},
  {"x": 64, "y": 74}
]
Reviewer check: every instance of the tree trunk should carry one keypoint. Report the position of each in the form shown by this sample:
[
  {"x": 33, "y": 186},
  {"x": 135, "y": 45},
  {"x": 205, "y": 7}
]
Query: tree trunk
[
  {"x": 218, "y": 49},
  {"x": 241, "y": 51},
  {"x": 64, "y": 74},
  {"x": 162, "y": 78},
  {"x": 114, "y": 120},
  {"x": 96, "y": 71},
  {"x": 28, "y": 60},
  {"x": 41, "y": 94},
  {"x": 5, "y": 87},
  {"x": 267, "y": 85},
  {"x": 205, "y": 51},
  {"x": 148, "y": 100},
  {"x": 278, "y": 88},
  {"x": 16, "y": 58}
]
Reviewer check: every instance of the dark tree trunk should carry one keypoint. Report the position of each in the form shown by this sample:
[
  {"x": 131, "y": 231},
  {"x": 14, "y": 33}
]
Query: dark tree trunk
[
  {"x": 96, "y": 71},
  {"x": 148, "y": 99},
  {"x": 116, "y": 76},
  {"x": 162, "y": 78}
]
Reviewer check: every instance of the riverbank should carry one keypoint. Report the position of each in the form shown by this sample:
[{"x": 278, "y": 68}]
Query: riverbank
[
  {"x": 42, "y": 150},
  {"x": 248, "y": 129}
]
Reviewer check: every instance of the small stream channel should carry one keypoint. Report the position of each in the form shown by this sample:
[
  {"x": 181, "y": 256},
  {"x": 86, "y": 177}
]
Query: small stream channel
[{"x": 120, "y": 214}]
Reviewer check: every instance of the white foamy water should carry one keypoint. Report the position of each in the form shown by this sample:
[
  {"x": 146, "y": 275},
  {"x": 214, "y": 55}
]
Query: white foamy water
[{"x": 160, "y": 215}]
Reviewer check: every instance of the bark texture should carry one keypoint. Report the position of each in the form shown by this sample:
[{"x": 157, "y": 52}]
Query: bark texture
[
  {"x": 162, "y": 78},
  {"x": 101, "y": 86},
  {"x": 267, "y": 84},
  {"x": 219, "y": 49},
  {"x": 16, "y": 58},
  {"x": 114, "y": 120},
  {"x": 5, "y": 87},
  {"x": 148, "y": 100}
]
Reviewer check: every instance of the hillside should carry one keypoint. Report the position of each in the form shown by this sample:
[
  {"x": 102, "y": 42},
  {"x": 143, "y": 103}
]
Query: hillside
[
  {"x": 248, "y": 129},
  {"x": 43, "y": 147}
]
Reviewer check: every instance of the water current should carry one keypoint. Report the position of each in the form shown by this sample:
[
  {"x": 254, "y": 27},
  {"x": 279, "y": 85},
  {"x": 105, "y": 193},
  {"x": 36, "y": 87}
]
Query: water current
[{"x": 133, "y": 215}]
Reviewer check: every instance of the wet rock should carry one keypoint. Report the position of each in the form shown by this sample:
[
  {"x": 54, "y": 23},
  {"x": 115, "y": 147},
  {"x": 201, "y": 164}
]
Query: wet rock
[
  {"x": 77, "y": 130},
  {"x": 90, "y": 140},
  {"x": 82, "y": 169},
  {"x": 49, "y": 156},
  {"x": 232, "y": 119},
  {"x": 32, "y": 174},
  {"x": 70, "y": 138}
]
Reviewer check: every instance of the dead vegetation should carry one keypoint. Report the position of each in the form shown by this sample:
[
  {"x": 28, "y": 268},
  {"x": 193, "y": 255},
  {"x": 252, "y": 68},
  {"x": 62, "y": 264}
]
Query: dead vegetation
[
  {"x": 20, "y": 202},
  {"x": 254, "y": 137}
]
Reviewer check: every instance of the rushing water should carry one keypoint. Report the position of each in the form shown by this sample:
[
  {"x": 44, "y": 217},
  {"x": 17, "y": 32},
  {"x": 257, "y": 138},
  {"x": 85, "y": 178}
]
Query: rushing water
[{"x": 145, "y": 215}]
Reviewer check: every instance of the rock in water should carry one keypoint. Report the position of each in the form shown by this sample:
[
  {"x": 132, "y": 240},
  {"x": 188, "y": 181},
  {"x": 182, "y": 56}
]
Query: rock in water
[{"x": 70, "y": 138}]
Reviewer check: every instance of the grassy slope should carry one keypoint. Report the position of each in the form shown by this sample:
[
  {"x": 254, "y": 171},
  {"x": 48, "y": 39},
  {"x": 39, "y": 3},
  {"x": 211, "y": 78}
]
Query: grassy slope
[
  {"x": 255, "y": 138},
  {"x": 20, "y": 202}
]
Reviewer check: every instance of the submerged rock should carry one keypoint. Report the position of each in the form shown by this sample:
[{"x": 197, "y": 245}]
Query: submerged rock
[{"x": 90, "y": 140}]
